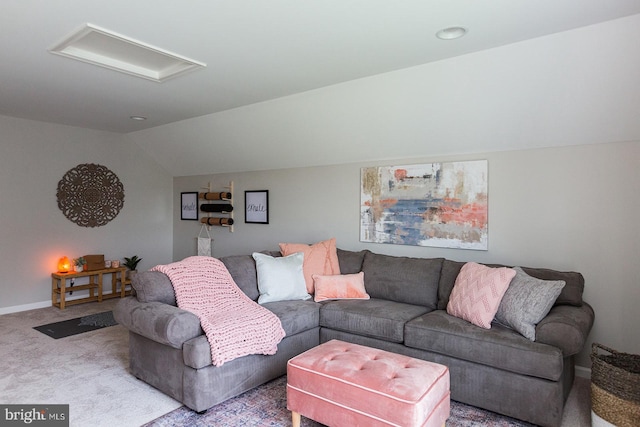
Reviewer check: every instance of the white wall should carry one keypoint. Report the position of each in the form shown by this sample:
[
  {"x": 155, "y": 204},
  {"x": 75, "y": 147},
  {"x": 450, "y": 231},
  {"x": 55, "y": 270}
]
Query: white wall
[
  {"x": 572, "y": 208},
  {"x": 34, "y": 233}
]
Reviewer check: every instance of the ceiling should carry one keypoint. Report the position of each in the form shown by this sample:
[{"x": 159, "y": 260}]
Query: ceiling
[{"x": 254, "y": 50}]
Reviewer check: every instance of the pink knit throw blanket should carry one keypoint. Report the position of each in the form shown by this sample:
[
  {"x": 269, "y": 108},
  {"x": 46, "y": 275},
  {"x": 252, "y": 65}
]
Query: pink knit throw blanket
[{"x": 234, "y": 324}]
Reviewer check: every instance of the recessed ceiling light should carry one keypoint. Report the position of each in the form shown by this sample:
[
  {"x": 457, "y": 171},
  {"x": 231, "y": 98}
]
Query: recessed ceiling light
[
  {"x": 138, "y": 118},
  {"x": 107, "y": 49},
  {"x": 451, "y": 33}
]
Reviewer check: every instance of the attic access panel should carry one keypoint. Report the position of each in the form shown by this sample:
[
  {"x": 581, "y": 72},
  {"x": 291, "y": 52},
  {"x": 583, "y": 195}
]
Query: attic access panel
[{"x": 108, "y": 49}]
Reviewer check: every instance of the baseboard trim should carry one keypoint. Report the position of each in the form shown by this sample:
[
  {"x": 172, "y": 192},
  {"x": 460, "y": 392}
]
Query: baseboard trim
[
  {"x": 25, "y": 307},
  {"x": 35, "y": 305},
  {"x": 583, "y": 372}
]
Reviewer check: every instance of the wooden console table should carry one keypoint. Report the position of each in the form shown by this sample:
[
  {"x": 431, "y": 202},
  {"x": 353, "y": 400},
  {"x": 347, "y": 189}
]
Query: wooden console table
[{"x": 59, "y": 287}]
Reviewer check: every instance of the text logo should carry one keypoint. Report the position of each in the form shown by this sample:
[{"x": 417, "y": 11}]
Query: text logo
[{"x": 34, "y": 415}]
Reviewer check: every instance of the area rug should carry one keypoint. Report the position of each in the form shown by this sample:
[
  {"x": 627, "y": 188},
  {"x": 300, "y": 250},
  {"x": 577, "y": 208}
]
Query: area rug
[
  {"x": 78, "y": 325},
  {"x": 267, "y": 406}
]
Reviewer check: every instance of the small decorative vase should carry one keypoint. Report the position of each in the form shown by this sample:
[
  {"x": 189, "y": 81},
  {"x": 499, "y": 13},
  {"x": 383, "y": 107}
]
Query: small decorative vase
[{"x": 79, "y": 268}]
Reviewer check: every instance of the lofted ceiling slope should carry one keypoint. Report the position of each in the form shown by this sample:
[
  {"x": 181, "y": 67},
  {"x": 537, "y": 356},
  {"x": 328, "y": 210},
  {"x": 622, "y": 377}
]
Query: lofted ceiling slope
[{"x": 254, "y": 50}]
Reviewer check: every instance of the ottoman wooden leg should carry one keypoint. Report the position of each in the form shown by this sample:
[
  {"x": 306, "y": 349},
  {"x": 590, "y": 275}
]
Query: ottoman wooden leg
[{"x": 295, "y": 418}]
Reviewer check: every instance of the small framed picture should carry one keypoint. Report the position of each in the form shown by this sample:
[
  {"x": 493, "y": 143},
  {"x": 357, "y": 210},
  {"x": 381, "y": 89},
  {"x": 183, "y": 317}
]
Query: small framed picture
[
  {"x": 189, "y": 205},
  {"x": 256, "y": 207}
]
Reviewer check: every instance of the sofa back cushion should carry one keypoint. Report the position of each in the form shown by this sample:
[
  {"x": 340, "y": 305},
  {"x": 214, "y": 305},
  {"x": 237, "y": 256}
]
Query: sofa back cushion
[
  {"x": 152, "y": 286},
  {"x": 243, "y": 271},
  {"x": 571, "y": 293},
  {"x": 350, "y": 261},
  {"x": 402, "y": 279},
  {"x": 574, "y": 284},
  {"x": 448, "y": 275}
]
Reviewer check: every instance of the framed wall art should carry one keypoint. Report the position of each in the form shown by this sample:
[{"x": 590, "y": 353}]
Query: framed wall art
[
  {"x": 256, "y": 207},
  {"x": 439, "y": 204},
  {"x": 189, "y": 205}
]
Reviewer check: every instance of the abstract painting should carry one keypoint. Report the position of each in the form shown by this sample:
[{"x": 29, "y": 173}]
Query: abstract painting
[{"x": 439, "y": 204}]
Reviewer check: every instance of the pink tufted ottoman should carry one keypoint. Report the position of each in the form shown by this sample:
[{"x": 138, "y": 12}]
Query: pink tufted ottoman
[{"x": 343, "y": 384}]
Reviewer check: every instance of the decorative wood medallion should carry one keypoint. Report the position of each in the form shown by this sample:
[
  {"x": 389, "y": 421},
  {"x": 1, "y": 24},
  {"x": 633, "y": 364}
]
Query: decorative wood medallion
[{"x": 90, "y": 195}]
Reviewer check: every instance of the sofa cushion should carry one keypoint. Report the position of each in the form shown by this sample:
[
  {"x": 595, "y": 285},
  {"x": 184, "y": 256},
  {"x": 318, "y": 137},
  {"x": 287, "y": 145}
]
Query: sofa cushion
[
  {"x": 350, "y": 261},
  {"x": 375, "y": 318},
  {"x": 319, "y": 258},
  {"x": 477, "y": 293},
  {"x": 448, "y": 274},
  {"x": 571, "y": 293},
  {"x": 498, "y": 347},
  {"x": 402, "y": 279},
  {"x": 295, "y": 316},
  {"x": 341, "y": 286},
  {"x": 280, "y": 279},
  {"x": 243, "y": 270},
  {"x": 153, "y": 286},
  {"x": 526, "y": 302}
]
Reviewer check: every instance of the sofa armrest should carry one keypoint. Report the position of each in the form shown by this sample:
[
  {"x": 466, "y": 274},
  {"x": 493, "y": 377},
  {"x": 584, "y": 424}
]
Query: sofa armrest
[
  {"x": 566, "y": 327},
  {"x": 157, "y": 321}
]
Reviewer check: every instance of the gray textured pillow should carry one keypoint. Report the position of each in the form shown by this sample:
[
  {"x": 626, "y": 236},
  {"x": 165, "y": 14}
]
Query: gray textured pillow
[{"x": 526, "y": 302}]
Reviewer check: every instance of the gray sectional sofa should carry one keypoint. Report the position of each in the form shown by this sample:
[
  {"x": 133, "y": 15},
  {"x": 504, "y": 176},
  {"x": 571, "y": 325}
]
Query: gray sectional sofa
[{"x": 496, "y": 369}]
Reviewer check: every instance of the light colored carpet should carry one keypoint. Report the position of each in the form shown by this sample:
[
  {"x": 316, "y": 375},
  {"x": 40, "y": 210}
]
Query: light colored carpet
[{"x": 90, "y": 372}]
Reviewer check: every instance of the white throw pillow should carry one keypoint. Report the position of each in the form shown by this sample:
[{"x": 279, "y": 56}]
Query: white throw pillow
[{"x": 280, "y": 278}]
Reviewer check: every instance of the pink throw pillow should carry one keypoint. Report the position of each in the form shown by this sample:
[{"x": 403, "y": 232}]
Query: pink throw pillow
[
  {"x": 345, "y": 286},
  {"x": 477, "y": 293},
  {"x": 319, "y": 258}
]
